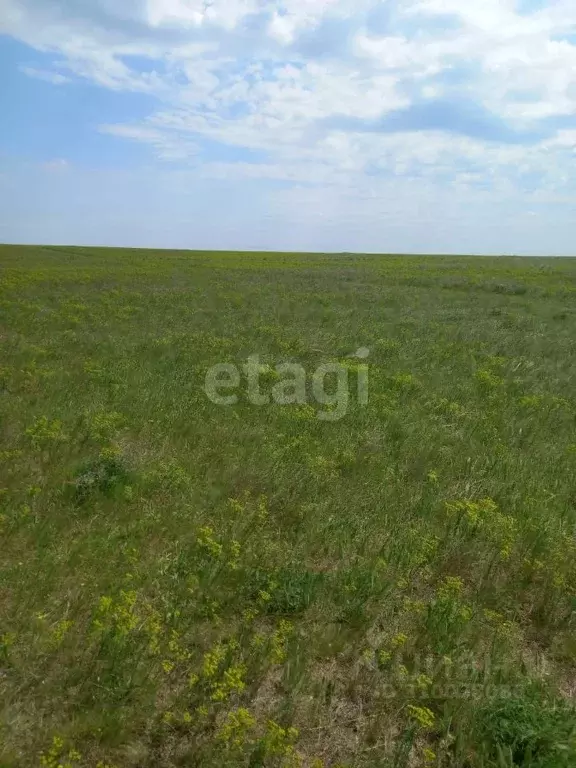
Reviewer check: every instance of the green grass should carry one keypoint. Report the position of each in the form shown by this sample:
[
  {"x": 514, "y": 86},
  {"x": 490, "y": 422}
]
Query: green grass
[{"x": 185, "y": 584}]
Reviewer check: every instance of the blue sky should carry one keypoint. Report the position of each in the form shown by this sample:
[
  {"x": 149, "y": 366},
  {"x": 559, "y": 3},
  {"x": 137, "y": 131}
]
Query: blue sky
[{"x": 391, "y": 125}]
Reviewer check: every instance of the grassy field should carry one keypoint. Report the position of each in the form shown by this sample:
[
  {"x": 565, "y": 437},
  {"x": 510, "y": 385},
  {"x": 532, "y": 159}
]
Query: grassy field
[{"x": 188, "y": 584}]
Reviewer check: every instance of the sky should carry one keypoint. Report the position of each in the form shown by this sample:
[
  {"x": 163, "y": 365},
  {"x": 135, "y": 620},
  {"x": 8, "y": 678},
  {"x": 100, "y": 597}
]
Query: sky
[{"x": 431, "y": 126}]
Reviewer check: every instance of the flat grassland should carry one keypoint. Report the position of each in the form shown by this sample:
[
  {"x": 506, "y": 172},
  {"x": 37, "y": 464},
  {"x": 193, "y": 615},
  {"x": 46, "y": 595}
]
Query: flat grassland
[{"x": 188, "y": 584}]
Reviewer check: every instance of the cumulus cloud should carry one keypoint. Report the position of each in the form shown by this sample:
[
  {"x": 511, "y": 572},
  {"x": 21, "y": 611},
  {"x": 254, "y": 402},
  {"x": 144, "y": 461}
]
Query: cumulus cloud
[{"x": 331, "y": 92}]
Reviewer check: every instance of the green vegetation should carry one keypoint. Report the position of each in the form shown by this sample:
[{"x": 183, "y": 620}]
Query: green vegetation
[{"x": 187, "y": 584}]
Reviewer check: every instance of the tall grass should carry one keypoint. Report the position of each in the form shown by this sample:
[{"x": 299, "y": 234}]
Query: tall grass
[{"x": 185, "y": 584}]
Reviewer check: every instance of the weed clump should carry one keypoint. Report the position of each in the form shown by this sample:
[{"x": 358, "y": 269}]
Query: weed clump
[{"x": 106, "y": 475}]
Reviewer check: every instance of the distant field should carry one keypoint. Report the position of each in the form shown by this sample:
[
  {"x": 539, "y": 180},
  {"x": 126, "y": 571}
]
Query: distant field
[{"x": 184, "y": 583}]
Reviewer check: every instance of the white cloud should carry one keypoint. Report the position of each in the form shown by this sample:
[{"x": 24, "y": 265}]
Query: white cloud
[
  {"x": 293, "y": 16},
  {"x": 565, "y": 138},
  {"x": 43, "y": 74},
  {"x": 168, "y": 146},
  {"x": 282, "y": 28},
  {"x": 195, "y": 13},
  {"x": 306, "y": 83}
]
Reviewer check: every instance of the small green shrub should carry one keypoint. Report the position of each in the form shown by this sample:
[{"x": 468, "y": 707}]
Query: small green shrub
[{"x": 104, "y": 475}]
